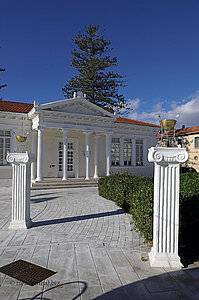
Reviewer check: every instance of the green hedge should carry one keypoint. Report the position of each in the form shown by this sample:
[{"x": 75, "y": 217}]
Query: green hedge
[{"x": 135, "y": 195}]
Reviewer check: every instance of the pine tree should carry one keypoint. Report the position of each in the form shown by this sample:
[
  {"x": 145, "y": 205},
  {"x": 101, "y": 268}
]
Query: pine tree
[
  {"x": 2, "y": 85},
  {"x": 95, "y": 79}
]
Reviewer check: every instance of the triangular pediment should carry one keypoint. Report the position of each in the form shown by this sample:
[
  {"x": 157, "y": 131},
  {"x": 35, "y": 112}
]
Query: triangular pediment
[{"x": 76, "y": 106}]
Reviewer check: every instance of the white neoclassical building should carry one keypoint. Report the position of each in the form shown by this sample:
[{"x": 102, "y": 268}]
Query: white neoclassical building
[{"x": 74, "y": 138}]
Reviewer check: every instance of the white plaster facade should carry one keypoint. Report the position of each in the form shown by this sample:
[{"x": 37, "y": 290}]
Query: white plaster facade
[{"x": 82, "y": 134}]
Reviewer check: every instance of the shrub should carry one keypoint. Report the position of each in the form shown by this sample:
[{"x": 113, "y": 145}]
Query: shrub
[
  {"x": 189, "y": 210},
  {"x": 135, "y": 195}
]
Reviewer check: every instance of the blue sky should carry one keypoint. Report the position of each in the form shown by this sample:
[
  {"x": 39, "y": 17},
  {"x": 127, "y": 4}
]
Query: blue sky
[{"x": 156, "y": 42}]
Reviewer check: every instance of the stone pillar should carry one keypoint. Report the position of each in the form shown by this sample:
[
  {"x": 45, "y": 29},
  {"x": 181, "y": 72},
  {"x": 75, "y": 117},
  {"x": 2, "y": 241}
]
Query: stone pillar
[
  {"x": 39, "y": 154},
  {"x": 108, "y": 153},
  {"x": 96, "y": 157},
  {"x": 33, "y": 151},
  {"x": 20, "y": 190},
  {"x": 122, "y": 151},
  {"x": 65, "y": 154},
  {"x": 13, "y": 141},
  {"x": 145, "y": 148},
  {"x": 133, "y": 157},
  {"x": 167, "y": 161},
  {"x": 87, "y": 154}
]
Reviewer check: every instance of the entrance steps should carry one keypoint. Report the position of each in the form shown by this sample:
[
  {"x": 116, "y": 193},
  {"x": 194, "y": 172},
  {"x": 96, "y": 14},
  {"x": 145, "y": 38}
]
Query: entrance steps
[{"x": 57, "y": 183}]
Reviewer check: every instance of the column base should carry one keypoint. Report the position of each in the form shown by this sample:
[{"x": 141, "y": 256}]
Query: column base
[
  {"x": 164, "y": 260},
  {"x": 96, "y": 177},
  {"x": 87, "y": 178},
  {"x": 64, "y": 179},
  {"x": 38, "y": 179},
  {"x": 20, "y": 225}
]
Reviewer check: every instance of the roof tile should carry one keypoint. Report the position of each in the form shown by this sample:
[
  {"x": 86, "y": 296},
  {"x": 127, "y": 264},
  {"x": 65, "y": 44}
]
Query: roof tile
[
  {"x": 17, "y": 107},
  {"x": 130, "y": 121}
]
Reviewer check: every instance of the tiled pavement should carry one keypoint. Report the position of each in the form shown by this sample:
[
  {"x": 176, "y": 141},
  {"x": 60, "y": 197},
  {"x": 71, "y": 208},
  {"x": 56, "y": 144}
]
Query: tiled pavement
[{"x": 90, "y": 243}]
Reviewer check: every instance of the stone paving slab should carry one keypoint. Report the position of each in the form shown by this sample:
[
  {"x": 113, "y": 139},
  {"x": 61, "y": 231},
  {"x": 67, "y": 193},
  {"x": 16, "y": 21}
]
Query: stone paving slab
[{"x": 90, "y": 243}]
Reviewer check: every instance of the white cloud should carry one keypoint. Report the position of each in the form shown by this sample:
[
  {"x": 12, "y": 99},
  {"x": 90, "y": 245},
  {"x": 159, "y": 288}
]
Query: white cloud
[{"x": 187, "y": 109}]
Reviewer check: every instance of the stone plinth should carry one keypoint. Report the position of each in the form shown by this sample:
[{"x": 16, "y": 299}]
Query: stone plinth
[
  {"x": 167, "y": 161},
  {"x": 20, "y": 189}
]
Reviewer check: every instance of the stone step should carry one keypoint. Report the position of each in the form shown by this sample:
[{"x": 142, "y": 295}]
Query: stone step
[{"x": 58, "y": 184}]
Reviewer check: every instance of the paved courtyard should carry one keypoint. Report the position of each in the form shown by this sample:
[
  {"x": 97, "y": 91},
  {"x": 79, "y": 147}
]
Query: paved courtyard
[{"x": 91, "y": 244}]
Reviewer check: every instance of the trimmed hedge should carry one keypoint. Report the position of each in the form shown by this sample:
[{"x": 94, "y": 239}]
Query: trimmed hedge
[{"x": 135, "y": 195}]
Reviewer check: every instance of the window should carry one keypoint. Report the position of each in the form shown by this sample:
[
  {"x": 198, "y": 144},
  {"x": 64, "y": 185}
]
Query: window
[
  {"x": 197, "y": 142},
  {"x": 139, "y": 152},
  {"x": 4, "y": 146},
  {"x": 115, "y": 152},
  {"x": 127, "y": 152}
]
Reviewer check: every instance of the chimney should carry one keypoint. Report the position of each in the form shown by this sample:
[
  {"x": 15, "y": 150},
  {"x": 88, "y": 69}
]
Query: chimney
[{"x": 183, "y": 127}]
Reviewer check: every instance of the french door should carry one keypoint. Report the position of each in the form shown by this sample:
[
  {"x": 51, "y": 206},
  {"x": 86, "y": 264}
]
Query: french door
[{"x": 71, "y": 163}]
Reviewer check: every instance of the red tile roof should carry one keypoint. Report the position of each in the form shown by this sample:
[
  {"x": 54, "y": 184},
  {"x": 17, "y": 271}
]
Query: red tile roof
[
  {"x": 185, "y": 131},
  {"x": 130, "y": 121},
  {"x": 17, "y": 107},
  {"x": 20, "y": 107}
]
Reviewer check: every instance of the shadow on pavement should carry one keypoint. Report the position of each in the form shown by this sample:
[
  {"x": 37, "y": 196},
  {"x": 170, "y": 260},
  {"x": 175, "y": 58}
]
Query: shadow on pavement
[
  {"x": 39, "y": 200},
  {"x": 176, "y": 285},
  {"x": 43, "y": 294},
  {"x": 78, "y": 218}
]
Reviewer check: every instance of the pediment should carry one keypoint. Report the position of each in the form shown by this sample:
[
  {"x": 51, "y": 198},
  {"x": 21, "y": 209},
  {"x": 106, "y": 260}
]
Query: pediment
[
  {"x": 78, "y": 109},
  {"x": 76, "y": 106}
]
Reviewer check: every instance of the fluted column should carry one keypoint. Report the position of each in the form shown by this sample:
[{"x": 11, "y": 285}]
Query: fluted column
[
  {"x": 96, "y": 157},
  {"x": 108, "y": 153},
  {"x": 20, "y": 190},
  {"x": 65, "y": 154},
  {"x": 87, "y": 154},
  {"x": 39, "y": 154},
  {"x": 33, "y": 151},
  {"x": 167, "y": 161}
]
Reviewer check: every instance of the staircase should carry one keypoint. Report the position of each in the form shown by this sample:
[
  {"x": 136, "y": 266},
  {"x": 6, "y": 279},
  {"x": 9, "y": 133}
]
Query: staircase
[{"x": 57, "y": 183}]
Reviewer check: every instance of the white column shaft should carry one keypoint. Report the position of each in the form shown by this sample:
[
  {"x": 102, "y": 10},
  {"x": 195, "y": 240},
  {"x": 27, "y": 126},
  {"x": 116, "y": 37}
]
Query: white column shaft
[
  {"x": 33, "y": 151},
  {"x": 96, "y": 157},
  {"x": 121, "y": 151},
  {"x": 145, "y": 151},
  {"x": 108, "y": 154},
  {"x": 87, "y": 155},
  {"x": 39, "y": 154},
  {"x": 65, "y": 155},
  {"x": 133, "y": 157},
  {"x": 13, "y": 141}
]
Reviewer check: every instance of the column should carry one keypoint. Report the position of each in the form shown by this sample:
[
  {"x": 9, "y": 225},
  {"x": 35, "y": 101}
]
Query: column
[
  {"x": 145, "y": 148},
  {"x": 65, "y": 153},
  {"x": 33, "y": 151},
  {"x": 122, "y": 151},
  {"x": 133, "y": 152},
  {"x": 108, "y": 153},
  {"x": 39, "y": 154},
  {"x": 164, "y": 252},
  {"x": 96, "y": 156},
  {"x": 13, "y": 141},
  {"x": 20, "y": 190},
  {"x": 87, "y": 154}
]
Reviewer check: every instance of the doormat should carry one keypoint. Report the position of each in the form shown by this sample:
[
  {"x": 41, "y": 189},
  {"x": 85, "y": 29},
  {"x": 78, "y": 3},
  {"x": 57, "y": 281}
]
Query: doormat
[{"x": 26, "y": 272}]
